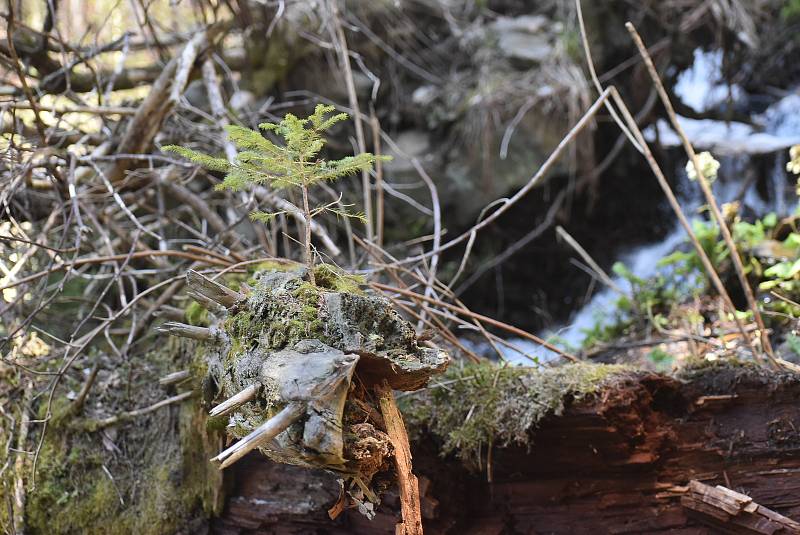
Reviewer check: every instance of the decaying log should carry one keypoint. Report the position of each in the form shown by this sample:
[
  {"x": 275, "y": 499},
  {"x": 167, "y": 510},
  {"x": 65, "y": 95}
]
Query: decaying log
[
  {"x": 733, "y": 512},
  {"x": 292, "y": 364},
  {"x": 620, "y": 462}
]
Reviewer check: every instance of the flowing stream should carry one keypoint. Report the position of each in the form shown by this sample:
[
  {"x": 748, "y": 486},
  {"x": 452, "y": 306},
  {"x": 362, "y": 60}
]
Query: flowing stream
[{"x": 735, "y": 145}]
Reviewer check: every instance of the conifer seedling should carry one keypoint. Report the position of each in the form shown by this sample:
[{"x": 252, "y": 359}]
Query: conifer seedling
[{"x": 293, "y": 164}]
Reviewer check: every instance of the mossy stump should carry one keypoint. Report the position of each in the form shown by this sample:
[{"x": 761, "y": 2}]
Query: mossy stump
[{"x": 294, "y": 365}]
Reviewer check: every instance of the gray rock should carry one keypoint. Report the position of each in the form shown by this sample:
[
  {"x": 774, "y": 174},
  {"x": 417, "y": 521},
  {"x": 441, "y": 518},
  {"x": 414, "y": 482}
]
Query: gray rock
[{"x": 526, "y": 38}]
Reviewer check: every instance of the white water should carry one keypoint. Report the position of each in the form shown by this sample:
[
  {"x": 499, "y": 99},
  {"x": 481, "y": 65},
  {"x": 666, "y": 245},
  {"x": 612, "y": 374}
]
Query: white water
[
  {"x": 733, "y": 144},
  {"x": 701, "y": 87}
]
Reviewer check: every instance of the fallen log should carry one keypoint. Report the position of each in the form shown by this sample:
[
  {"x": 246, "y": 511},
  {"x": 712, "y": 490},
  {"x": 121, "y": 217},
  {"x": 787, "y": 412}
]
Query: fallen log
[{"x": 635, "y": 457}]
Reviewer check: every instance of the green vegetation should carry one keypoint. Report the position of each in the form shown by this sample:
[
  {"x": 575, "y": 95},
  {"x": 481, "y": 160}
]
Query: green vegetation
[
  {"x": 474, "y": 406},
  {"x": 770, "y": 251},
  {"x": 337, "y": 280},
  {"x": 147, "y": 476},
  {"x": 662, "y": 360},
  {"x": 793, "y": 341},
  {"x": 791, "y": 10},
  {"x": 196, "y": 314},
  {"x": 647, "y": 305},
  {"x": 295, "y": 164}
]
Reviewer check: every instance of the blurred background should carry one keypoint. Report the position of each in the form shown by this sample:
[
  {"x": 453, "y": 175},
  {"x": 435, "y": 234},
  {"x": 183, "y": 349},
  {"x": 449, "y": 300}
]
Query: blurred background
[
  {"x": 470, "y": 98},
  {"x": 476, "y": 93}
]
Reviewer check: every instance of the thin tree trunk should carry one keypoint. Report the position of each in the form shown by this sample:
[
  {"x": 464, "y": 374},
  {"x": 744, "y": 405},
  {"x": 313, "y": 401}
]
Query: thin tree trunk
[{"x": 307, "y": 238}]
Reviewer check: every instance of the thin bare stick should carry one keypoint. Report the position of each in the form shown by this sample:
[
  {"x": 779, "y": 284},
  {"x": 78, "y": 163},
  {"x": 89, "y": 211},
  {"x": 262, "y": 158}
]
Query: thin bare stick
[
  {"x": 213, "y": 290},
  {"x": 590, "y": 64},
  {"x": 588, "y": 259},
  {"x": 515, "y": 247},
  {"x": 217, "y": 105},
  {"x": 92, "y": 110},
  {"x": 40, "y": 126},
  {"x": 676, "y": 207},
  {"x": 18, "y": 507},
  {"x": 174, "y": 377},
  {"x": 352, "y": 97},
  {"x": 707, "y": 193},
  {"x": 261, "y": 434},
  {"x": 129, "y": 415},
  {"x": 263, "y": 194},
  {"x": 111, "y": 258},
  {"x": 437, "y": 233},
  {"x": 785, "y": 299},
  {"x": 642, "y": 146},
  {"x": 237, "y": 400},
  {"x": 309, "y": 255},
  {"x": 379, "y": 197},
  {"x": 532, "y": 182},
  {"x": 480, "y": 317},
  {"x": 185, "y": 330}
]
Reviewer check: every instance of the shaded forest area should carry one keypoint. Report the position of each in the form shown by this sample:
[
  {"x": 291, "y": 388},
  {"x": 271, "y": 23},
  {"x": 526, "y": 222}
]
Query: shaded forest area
[{"x": 441, "y": 266}]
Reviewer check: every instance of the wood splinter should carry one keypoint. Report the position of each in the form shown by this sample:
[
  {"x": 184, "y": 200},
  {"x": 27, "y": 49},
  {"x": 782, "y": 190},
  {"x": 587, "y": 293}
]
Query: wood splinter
[
  {"x": 406, "y": 480},
  {"x": 261, "y": 434},
  {"x": 732, "y": 512},
  {"x": 185, "y": 330},
  {"x": 235, "y": 401},
  {"x": 212, "y": 290}
]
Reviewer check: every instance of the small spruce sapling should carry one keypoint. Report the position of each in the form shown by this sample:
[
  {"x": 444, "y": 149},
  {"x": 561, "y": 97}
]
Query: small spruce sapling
[{"x": 294, "y": 164}]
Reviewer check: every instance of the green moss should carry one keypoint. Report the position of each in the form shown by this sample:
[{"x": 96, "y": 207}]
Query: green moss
[
  {"x": 277, "y": 264},
  {"x": 476, "y": 405},
  {"x": 66, "y": 500},
  {"x": 334, "y": 279},
  {"x": 696, "y": 367},
  {"x": 217, "y": 423},
  {"x": 75, "y": 494},
  {"x": 242, "y": 331},
  {"x": 308, "y": 294},
  {"x": 60, "y": 410},
  {"x": 157, "y": 480},
  {"x": 196, "y": 314},
  {"x": 280, "y": 315}
]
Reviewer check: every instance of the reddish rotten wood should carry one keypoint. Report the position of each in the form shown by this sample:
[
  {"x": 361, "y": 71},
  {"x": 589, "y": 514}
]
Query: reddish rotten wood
[{"x": 406, "y": 480}]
